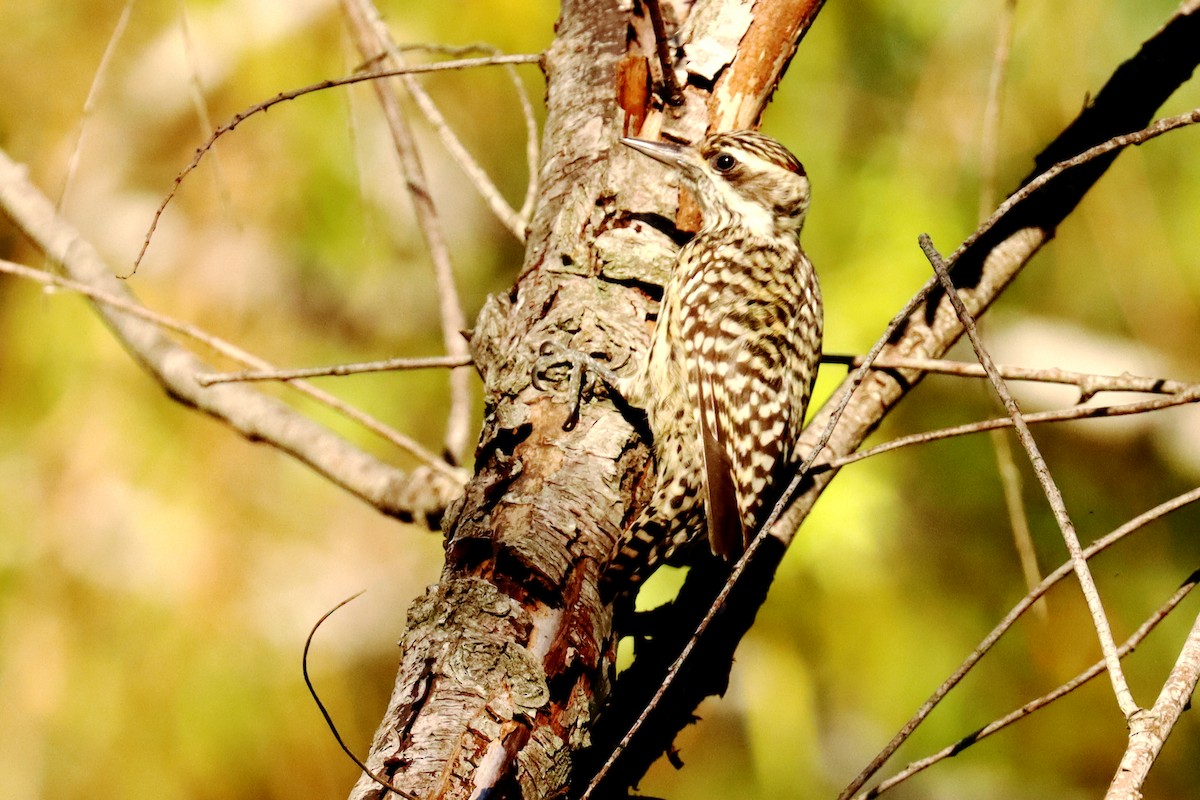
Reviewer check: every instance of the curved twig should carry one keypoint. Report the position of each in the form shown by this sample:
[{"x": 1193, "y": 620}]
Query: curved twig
[
  {"x": 283, "y": 97},
  {"x": 325, "y": 712}
]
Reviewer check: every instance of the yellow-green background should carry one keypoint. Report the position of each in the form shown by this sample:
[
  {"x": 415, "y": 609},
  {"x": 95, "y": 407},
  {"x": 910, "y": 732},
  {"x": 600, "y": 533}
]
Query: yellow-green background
[{"x": 158, "y": 574}]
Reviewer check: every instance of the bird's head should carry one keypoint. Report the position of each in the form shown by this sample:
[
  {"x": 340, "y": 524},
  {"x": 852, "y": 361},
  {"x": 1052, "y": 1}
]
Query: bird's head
[{"x": 740, "y": 178}]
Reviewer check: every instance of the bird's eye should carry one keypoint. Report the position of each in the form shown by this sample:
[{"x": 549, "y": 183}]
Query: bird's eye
[{"x": 724, "y": 162}]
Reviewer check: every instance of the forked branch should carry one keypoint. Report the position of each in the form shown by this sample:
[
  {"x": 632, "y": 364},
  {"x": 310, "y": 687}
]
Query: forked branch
[
  {"x": 1149, "y": 729},
  {"x": 422, "y": 494},
  {"x": 1037, "y": 704}
]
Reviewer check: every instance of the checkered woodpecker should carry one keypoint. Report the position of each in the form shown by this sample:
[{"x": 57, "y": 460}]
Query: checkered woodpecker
[{"x": 733, "y": 356}]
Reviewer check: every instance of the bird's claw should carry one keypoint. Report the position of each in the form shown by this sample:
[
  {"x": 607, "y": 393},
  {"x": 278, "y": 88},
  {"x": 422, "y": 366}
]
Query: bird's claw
[{"x": 552, "y": 356}]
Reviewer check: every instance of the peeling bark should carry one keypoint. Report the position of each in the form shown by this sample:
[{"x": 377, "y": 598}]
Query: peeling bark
[{"x": 507, "y": 657}]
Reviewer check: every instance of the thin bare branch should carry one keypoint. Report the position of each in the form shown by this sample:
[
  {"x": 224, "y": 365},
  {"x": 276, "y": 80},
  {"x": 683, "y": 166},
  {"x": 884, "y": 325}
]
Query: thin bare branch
[
  {"x": 233, "y": 352},
  {"x": 187, "y": 329},
  {"x": 283, "y": 97},
  {"x": 1164, "y": 125},
  {"x": 532, "y": 149},
  {"x": 372, "y": 38},
  {"x": 1127, "y": 647},
  {"x": 1120, "y": 687},
  {"x": 1100, "y": 545},
  {"x": 200, "y": 104},
  {"x": 1149, "y": 729},
  {"x": 89, "y": 103},
  {"x": 1190, "y": 395},
  {"x": 478, "y": 176},
  {"x": 1018, "y": 515},
  {"x": 533, "y": 153},
  {"x": 988, "y": 146},
  {"x": 1089, "y": 384},
  {"x": 671, "y": 91},
  {"x": 1006, "y": 466},
  {"x": 386, "y": 365}
]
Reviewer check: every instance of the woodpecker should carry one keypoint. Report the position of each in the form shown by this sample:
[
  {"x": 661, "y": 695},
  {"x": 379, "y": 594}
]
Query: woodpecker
[{"x": 733, "y": 357}]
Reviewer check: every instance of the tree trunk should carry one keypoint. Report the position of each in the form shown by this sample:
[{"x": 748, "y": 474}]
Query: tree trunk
[{"x": 508, "y": 657}]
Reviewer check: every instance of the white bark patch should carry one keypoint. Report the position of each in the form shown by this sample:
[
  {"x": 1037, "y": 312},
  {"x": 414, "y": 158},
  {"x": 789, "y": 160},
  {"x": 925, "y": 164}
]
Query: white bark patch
[{"x": 711, "y": 36}]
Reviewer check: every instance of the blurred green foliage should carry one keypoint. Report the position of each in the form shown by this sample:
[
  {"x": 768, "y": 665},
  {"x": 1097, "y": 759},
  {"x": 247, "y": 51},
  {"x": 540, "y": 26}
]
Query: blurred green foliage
[{"x": 158, "y": 574}]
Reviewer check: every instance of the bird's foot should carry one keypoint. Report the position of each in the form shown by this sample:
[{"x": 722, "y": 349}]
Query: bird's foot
[{"x": 582, "y": 371}]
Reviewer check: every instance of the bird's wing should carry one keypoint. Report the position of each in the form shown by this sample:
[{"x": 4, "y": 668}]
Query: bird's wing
[
  {"x": 722, "y": 509},
  {"x": 744, "y": 408}
]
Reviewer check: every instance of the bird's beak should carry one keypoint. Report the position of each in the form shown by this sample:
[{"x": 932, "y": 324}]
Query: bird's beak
[{"x": 667, "y": 152}]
